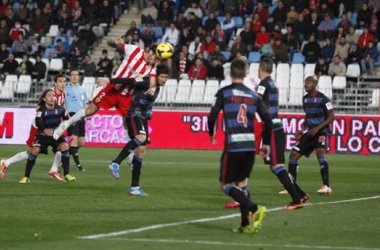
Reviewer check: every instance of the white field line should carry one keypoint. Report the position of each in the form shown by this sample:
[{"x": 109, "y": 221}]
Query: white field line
[
  {"x": 174, "y": 224},
  {"x": 238, "y": 244}
]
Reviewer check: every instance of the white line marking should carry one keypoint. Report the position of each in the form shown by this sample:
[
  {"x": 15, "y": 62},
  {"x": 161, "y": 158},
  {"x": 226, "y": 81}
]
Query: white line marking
[
  {"x": 142, "y": 229},
  {"x": 239, "y": 244}
]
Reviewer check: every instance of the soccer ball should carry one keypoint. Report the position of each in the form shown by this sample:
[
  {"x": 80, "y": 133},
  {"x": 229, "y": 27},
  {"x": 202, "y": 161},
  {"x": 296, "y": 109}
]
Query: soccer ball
[{"x": 164, "y": 50}]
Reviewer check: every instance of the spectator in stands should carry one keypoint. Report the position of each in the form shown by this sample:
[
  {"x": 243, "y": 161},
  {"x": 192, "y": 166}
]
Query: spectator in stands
[
  {"x": 39, "y": 69},
  {"x": 215, "y": 71},
  {"x": 39, "y": 24},
  {"x": 207, "y": 47},
  {"x": 132, "y": 29},
  {"x": 4, "y": 53},
  {"x": 352, "y": 36},
  {"x": 14, "y": 33},
  {"x": 64, "y": 9},
  {"x": 321, "y": 68},
  {"x": 374, "y": 27},
  {"x": 194, "y": 23},
  {"x": 148, "y": 35},
  {"x": 201, "y": 33},
  {"x": 217, "y": 53},
  {"x": 77, "y": 13},
  {"x": 325, "y": 10},
  {"x": 214, "y": 6},
  {"x": 88, "y": 66},
  {"x": 61, "y": 50},
  {"x": 267, "y": 50},
  {"x": 238, "y": 46},
  {"x": 172, "y": 35},
  {"x": 26, "y": 66},
  {"x": 374, "y": 4},
  {"x": 136, "y": 40},
  {"x": 292, "y": 15},
  {"x": 370, "y": 57},
  {"x": 228, "y": 25},
  {"x": 326, "y": 27},
  {"x": 198, "y": 71},
  {"x": 195, "y": 9},
  {"x": 364, "y": 16},
  {"x": 149, "y": 14},
  {"x": 211, "y": 22},
  {"x": 248, "y": 37},
  {"x": 346, "y": 6},
  {"x": 342, "y": 49},
  {"x": 116, "y": 61},
  {"x": 337, "y": 68},
  {"x": 165, "y": 15},
  {"x": 35, "y": 48},
  {"x": 195, "y": 46},
  {"x": 262, "y": 11},
  {"x": 78, "y": 50},
  {"x": 48, "y": 11},
  {"x": 270, "y": 25},
  {"x": 10, "y": 15},
  {"x": 365, "y": 38},
  {"x": 339, "y": 32},
  {"x": 65, "y": 25},
  {"x": 290, "y": 40},
  {"x": 90, "y": 10},
  {"x": 311, "y": 50},
  {"x": 104, "y": 69},
  {"x": 21, "y": 13},
  {"x": 230, "y": 5},
  {"x": 19, "y": 46},
  {"x": 10, "y": 65},
  {"x": 182, "y": 65},
  {"x": 186, "y": 37},
  {"x": 88, "y": 35},
  {"x": 4, "y": 31},
  {"x": 180, "y": 21},
  {"x": 219, "y": 36},
  {"x": 345, "y": 24},
  {"x": 280, "y": 51},
  {"x": 31, "y": 10},
  {"x": 354, "y": 54},
  {"x": 327, "y": 51},
  {"x": 256, "y": 23},
  {"x": 104, "y": 57},
  {"x": 262, "y": 38},
  {"x": 3, "y": 7},
  {"x": 279, "y": 14},
  {"x": 312, "y": 25}
]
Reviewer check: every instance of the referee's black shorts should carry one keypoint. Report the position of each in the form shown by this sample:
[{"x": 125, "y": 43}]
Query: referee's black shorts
[{"x": 236, "y": 166}]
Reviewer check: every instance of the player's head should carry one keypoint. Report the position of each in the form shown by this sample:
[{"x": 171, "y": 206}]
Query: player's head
[
  {"x": 60, "y": 82},
  {"x": 162, "y": 74},
  {"x": 47, "y": 97},
  {"x": 311, "y": 83},
  {"x": 265, "y": 68},
  {"x": 74, "y": 76},
  {"x": 151, "y": 57},
  {"x": 238, "y": 69}
]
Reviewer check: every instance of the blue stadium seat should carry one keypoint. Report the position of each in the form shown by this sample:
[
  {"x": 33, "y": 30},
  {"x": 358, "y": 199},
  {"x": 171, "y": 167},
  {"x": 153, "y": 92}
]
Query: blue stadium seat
[
  {"x": 354, "y": 16},
  {"x": 298, "y": 58},
  {"x": 158, "y": 31},
  {"x": 63, "y": 39},
  {"x": 271, "y": 9},
  {"x": 16, "y": 6},
  {"x": 221, "y": 19},
  {"x": 254, "y": 57},
  {"x": 47, "y": 52},
  {"x": 337, "y": 20},
  {"x": 238, "y": 21},
  {"x": 226, "y": 54},
  {"x": 204, "y": 19},
  {"x": 10, "y": 49},
  {"x": 71, "y": 39}
]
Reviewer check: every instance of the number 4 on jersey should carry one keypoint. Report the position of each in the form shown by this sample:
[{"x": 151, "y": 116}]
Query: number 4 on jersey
[{"x": 242, "y": 116}]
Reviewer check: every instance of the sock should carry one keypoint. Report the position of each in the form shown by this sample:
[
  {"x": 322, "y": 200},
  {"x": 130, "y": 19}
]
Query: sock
[
  {"x": 128, "y": 148},
  {"x": 29, "y": 164},
  {"x": 293, "y": 168},
  {"x": 65, "y": 159},
  {"x": 74, "y": 152},
  {"x": 246, "y": 205},
  {"x": 56, "y": 162},
  {"x": 287, "y": 182},
  {"x": 136, "y": 171},
  {"x": 77, "y": 117},
  {"x": 22, "y": 156},
  {"x": 299, "y": 191},
  {"x": 324, "y": 171},
  {"x": 246, "y": 191}
]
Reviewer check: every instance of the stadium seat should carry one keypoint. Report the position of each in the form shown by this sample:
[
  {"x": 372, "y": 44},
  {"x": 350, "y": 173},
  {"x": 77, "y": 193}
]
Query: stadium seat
[
  {"x": 227, "y": 69},
  {"x": 70, "y": 41},
  {"x": 254, "y": 71},
  {"x": 18, "y": 60},
  {"x": 169, "y": 91},
  {"x": 53, "y": 31},
  {"x": 46, "y": 41},
  {"x": 238, "y": 21},
  {"x": 337, "y": 20},
  {"x": 339, "y": 82},
  {"x": 270, "y": 10},
  {"x": 7, "y": 91},
  {"x": 273, "y": 75},
  {"x": 204, "y": 19},
  {"x": 89, "y": 84},
  {"x": 309, "y": 70},
  {"x": 24, "y": 84},
  {"x": 353, "y": 70},
  {"x": 99, "y": 31},
  {"x": 26, "y": 27},
  {"x": 238, "y": 31},
  {"x": 197, "y": 91},
  {"x": 375, "y": 98},
  {"x": 353, "y": 19},
  {"x": 157, "y": 32},
  {"x": 47, "y": 52},
  {"x": 325, "y": 85},
  {"x": 358, "y": 32},
  {"x": 283, "y": 77},
  {"x": 296, "y": 90},
  {"x": 32, "y": 60},
  {"x": 63, "y": 39},
  {"x": 298, "y": 58},
  {"x": 221, "y": 19},
  {"x": 254, "y": 57},
  {"x": 226, "y": 54},
  {"x": 212, "y": 87},
  {"x": 183, "y": 92},
  {"x": 225, "y": 83},
  {"x": 56, "y": 64},
  {"x": 16, "y": 6}
]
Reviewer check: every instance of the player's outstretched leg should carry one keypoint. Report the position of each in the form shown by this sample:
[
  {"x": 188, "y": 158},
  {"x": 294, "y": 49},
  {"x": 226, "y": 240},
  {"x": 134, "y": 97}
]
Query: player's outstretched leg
[
  {"x": 5, "y": 164},
  {"x": 58, "y": 132}
]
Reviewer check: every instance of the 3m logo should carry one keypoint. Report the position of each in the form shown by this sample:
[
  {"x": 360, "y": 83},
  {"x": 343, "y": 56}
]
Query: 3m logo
[{"x": 6, "y": 125}]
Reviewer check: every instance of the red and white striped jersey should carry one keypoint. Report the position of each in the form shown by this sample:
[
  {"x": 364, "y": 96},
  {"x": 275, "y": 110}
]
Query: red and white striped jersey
[
  {"x": 134, "y": 65},
  {"x": 59, "y": 98}
]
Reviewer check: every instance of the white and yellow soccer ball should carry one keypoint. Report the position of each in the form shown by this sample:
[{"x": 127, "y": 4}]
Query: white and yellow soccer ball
[{"x": 164, "y": 50}]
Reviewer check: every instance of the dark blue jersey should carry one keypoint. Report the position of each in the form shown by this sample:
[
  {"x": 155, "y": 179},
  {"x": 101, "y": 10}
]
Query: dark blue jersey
[
  {"x": 316, "y": 109},
  {"x": 49, "y": 118},
  {"x": 239, "y": 105},
  {"x": 142, "y": 103}
]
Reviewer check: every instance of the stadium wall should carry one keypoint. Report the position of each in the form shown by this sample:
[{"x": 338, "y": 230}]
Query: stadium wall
[{"x": 357, "y": 134}]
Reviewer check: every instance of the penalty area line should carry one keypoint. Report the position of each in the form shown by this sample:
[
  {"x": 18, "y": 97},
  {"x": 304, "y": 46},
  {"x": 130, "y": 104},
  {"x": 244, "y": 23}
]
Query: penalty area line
[{"x": 174, "y": 224}]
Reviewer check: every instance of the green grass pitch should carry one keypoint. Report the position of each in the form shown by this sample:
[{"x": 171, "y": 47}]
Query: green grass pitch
[{"x": 183, "y": 186}]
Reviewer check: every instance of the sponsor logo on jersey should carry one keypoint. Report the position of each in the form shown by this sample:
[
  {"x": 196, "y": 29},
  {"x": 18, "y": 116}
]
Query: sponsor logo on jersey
[
  {"x": 242, "y": 137},
  {"x": 236, "y": 92}
]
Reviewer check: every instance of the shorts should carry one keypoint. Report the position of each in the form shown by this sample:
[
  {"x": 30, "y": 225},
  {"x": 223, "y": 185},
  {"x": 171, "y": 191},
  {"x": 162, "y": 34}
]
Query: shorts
[
  {"x": 277, "y": 148},
  {"x": 107, "y": 99},
  {"x": 43, "y": 142},
  {"x": 137, "y": 126},
  {"x": 306, "y": 144},
  {"x": 78, "y": 128},
  {"x": 236, "y": 166},
  {"x": 32, "y": 136}
]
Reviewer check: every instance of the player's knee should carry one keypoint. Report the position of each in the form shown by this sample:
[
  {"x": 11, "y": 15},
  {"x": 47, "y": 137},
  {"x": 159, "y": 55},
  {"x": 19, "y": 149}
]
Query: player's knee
[
  {"x": 141, "y": 138},
  {"x": 63, "y": 147},
  {"x": 35, "y": 151},
  {"x": 293, "y": 155}
]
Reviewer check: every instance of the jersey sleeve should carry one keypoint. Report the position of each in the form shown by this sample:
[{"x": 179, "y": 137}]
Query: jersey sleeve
[
  {"x": 327, "y": 106},
  {"x": 263, "y": 90},
  {"x": 215, "y": 109},
  {"x": 153, "y": 72},
  {"x": 40, "y": 119},
  {"x": 264, "y": 115}
]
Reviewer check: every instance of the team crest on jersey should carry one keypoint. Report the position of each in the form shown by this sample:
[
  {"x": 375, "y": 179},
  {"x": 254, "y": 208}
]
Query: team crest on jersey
[
  {"x": 39, "y": 113},
  {"x": 56, "y": 111}
]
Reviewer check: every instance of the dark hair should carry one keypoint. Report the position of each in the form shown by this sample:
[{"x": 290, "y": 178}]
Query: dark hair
[
  {"x": 162, "y": 69},
  {"x": 73, "y": 69},
  {"x": 238, "y": 69},
  {"x": 312, "y": 78},
  {"x": 266, "y": 65},
  {"x": 41, "y": 101},
  {"x": 58, "y": 76},
  {"x": 153, "y": 48}
]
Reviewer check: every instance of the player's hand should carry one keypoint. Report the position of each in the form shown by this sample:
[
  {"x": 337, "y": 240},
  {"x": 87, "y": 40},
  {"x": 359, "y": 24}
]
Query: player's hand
[
  {"x": 298, "y": 133},
  {"x": 48, "y": 132},
  {"x": 151, "y": 91},
  {"x": 265, "y": 151},
  {"x": 213, "y": 141},
  {"x": 313, "y": 131},
  {"x": 102, "y": 81}
]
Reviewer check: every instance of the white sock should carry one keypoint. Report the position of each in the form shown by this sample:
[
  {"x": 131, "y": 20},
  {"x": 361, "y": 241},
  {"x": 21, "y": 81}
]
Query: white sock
[
  {"x": 22, "y": 156},
  {"x": 56, "y": 162},
  {"x": 77, "y": 117}
]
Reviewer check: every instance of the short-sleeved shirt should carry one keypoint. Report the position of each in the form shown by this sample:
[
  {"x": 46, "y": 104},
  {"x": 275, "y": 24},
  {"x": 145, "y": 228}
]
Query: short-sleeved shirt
[
  {"x": 76, "y": 98},
  {"x": 316, "y": 109},
  {"x": 49, "y": 118}
]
